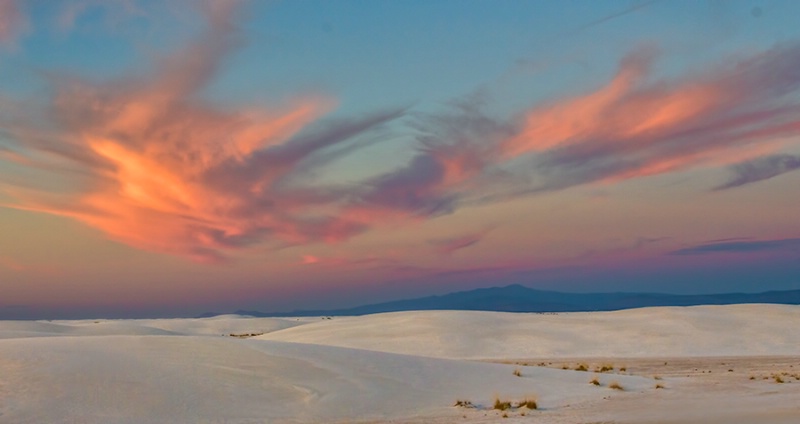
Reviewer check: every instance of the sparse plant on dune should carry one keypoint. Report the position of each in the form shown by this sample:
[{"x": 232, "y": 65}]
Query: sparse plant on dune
[
  {"x": 464, "y": 404},
  {"x": 604, "y": 368},
  {"x": 529, "y": 403},
  {"x": 659, "y": 386},
  {"x": 245, "y": 335},
  {"x": 623, "y": 369},
  {"x": 777, "y": 378},
  {"x": 501, "y": 405},
  {"x": 594, "y": 381},
  {"x": 582, "y": 367},
  {"x": 615, "y": 385},
  {"x": 517, "y": 372}
]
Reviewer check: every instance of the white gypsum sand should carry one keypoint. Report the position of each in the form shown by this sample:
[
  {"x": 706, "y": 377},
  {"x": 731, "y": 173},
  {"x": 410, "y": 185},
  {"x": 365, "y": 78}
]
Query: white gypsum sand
[{"x": 407, "y": 367}]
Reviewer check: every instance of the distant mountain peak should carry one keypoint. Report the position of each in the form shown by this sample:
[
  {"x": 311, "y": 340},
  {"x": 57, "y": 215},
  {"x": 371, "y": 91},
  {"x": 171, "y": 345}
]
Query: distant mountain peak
[{"x": 519, "y": 298}]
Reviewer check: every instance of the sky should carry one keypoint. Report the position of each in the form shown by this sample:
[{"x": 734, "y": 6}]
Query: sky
[{"x": 170, "y": 158}]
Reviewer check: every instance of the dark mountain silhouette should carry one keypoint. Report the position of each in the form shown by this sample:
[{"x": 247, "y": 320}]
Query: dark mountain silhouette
[{"x": 517, "y": 298}]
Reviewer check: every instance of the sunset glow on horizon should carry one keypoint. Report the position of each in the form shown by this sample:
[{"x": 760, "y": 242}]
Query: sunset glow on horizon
[{"x": 173, "y": 158}]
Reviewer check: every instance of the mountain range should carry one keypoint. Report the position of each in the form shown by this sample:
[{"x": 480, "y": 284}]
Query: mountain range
[{"x": 518, "y": 298}]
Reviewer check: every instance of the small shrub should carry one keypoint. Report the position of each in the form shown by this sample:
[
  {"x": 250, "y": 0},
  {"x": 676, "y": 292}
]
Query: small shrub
[
  {"x": 517, "y": 372},
  {"x": 623, "y": 369},
  {"x": 582, "y": 367},
  {"x": 594, "y": 381},
  {"x": 501, "y": 405},
  {"x": 657, "y": 377},
  {"x": 464, "y": 404},
  {"x": 565, "y": 367},
  {"x": 505, "y": 415},
  {"x": 528, "y": 403},
  {"x": 659, "y": 386},
  {"x": 778, "y": 378},
  {"x": 605, "y": 368},
  {"x": 616, "y": 386},
  {"x": 752, "y": 377}
]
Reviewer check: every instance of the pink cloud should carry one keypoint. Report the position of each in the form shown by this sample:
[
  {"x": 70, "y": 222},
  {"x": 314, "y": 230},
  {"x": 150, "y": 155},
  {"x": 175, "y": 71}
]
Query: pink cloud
[{"x": 171, "y": 173}]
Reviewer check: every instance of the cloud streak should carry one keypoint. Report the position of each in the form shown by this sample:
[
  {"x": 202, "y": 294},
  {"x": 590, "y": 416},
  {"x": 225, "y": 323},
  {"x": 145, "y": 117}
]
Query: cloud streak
[
  {"x": 450, "y": 246},
  {"x": 741, "y": 246},
  {"x": 760, "y": 169}
]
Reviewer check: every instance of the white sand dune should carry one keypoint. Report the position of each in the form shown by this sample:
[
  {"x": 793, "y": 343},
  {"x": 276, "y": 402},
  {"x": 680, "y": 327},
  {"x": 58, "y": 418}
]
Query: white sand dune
[
  {"x": 216, "y": 326},
  {"x": 735, "y": 330},
  {"x": 135, "y": 379},
  {"x": 186, "y": 371}
]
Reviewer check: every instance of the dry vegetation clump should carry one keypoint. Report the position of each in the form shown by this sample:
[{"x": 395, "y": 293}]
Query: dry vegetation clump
[
  {"x": 604, "y": 368},
  {"x": 777, "y": 378},
  {"x": 501, "y": 405},
  {"x": 528, "y": 403},
  {"x": 623, "y": 369},
  {"x": 657, "y": 377},
  {"x": 616, "y": 386},
  {"x": 659, "y": 386},
  {"x": 582, "y": 367},
  {"x": 245, "y": 335},
  {"x": 464, "y": 404},
  {"x": 505, "y": 405},
  {"x": 594, "y": 381},
  {"x": 517, "y": 372}
]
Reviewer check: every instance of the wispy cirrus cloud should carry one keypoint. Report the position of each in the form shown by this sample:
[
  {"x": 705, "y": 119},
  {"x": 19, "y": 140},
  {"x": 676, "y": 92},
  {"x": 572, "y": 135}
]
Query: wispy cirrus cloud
[
  {"x": 169, "y": 172},
  {"x": 633, "y": 126},
  {"x": 760, "y": 169},
  {"x": 451, "y": 245},
  {"x": 741, "y": 246}
]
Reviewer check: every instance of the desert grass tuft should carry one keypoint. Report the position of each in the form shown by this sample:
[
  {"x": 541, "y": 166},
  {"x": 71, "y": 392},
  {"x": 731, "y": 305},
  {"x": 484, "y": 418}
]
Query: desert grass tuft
[
  {"x": 777, "y": 378},
  {"x": 594, "y": 381},
  {"x": 604, "y": 368},
  {"x": 464, "y": 404},
  {"x": 517, "y": 372},
  {"x": 528, "y": 403},
  {"x": 616, "y": 386},
  {"x": 501, "y": 405},
  {"x": 659, "y": 386},
  {"x": 582, "y": 367}
]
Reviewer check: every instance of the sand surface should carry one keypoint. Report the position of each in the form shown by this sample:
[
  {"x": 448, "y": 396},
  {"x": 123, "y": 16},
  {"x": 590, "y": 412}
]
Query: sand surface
[{"x": 713, "y": 365}]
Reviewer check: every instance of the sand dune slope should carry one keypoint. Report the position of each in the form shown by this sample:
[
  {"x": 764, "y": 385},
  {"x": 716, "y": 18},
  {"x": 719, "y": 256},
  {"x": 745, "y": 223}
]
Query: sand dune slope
[
  {"x": 147, "y": 379},
  {"x": 734, "y": 330}
]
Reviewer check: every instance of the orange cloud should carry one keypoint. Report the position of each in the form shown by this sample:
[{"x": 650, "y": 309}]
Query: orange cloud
[
  {"x": 171, "y": 173},
  {"x": 636, "y": 126}
]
